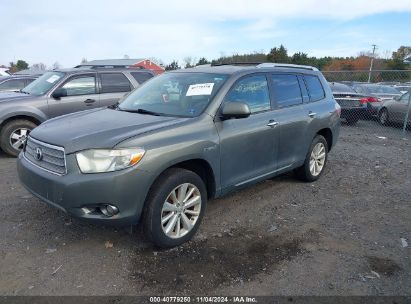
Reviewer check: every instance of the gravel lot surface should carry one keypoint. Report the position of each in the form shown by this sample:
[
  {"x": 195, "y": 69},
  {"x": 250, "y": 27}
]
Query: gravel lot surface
[{"x": 343, "y": 235}]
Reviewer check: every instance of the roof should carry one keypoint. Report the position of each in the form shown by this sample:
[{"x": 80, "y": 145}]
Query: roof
[
  {"x": 113, "y": 62},
  {"x": 231, "y": 69},
  {"x": 89, "y": 69}
]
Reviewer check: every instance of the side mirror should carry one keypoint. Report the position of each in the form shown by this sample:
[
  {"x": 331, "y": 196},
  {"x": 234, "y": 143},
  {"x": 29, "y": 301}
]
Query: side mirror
[
  {"x": 235, "y": 110},
  {"x": 60, "y": 92}
]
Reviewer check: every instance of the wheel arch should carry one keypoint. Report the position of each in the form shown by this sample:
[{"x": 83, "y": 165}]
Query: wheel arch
[{"x": 328, "y": 135}]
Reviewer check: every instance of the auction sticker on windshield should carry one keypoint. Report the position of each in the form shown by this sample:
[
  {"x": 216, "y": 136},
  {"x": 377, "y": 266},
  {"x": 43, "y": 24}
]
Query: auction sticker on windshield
[
  {"x": 53, "y": 79},
  {"x": 200, "y": 89}
]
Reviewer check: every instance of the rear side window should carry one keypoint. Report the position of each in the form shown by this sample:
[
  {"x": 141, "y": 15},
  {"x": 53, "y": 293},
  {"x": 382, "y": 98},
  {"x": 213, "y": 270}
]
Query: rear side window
[
  {"x": 114, "y": 83},
  {"x": 252, "y": 90},
  {"x": 287, "y": 90},
  {"x": 315, "y": 89},
  {"x": 14, "y": 84},
  {"x": 141, "y": 77}
]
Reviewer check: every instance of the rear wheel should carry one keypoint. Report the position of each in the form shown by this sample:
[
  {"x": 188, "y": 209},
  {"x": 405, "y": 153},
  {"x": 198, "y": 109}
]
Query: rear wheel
[
  {"x": 14, "y": 134},
  {"x": 383, "y": 117},
  {"x": 315, "y": 160},
  {"x": 174, "y": 208}
]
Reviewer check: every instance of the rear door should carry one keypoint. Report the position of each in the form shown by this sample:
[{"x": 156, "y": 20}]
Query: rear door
[
  {"x": 292, "y": 118},
  {"x": 248, "y": 145},
  {"x": 113, "y": 86},
  {"x": 81, "y": 95}
]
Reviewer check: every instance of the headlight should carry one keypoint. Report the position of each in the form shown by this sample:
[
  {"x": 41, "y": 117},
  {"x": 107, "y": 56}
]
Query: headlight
[{"x": 99, "y": 160}]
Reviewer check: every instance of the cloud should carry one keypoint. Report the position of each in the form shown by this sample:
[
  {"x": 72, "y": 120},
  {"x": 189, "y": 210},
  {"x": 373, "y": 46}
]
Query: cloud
[{"x": 67, "y": 31}]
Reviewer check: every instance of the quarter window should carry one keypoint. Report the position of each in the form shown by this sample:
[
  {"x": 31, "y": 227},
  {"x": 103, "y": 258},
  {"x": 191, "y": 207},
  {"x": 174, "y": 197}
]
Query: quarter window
[
  {"x": 315, "y": 89},
  {"x": 114, "y": 83},
  {"x": 253, "y": 91},
  {"x": 141, "y": 77},
  {"x": 80, "y": 86},
  {"x": 287, "y": 90}
]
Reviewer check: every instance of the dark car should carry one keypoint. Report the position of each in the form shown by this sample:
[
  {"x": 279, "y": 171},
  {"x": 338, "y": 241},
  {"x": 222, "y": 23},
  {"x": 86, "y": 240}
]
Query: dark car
[
  {"x": 382, "y": 92},
  {"x": 61, "y": 92},
  {"x": 182, "y": 138},
  {"x": 15, "y": 83},
  {"x": 353, "y": 104}
]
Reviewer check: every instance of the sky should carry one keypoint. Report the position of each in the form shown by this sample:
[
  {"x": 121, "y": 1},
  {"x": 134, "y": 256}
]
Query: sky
[{"x": 67, "y": 31}]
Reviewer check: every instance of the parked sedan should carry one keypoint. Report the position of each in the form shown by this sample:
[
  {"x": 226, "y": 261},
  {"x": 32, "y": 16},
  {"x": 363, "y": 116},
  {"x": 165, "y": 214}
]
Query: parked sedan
[
  {"x": 353, "y": 105},
  {"x": 382, "y": 92},
  {"x": 395, "y": 110},
  {"x": 15, "y": 83}
]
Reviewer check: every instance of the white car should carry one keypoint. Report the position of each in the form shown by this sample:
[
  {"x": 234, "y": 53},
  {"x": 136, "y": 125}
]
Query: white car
[{"x": 4, "y": 72}]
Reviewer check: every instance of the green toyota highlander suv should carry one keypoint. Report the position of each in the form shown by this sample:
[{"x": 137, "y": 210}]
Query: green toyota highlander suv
[{"x": 179, "y": 140}]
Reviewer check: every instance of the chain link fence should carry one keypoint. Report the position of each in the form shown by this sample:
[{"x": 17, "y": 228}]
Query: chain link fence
[{"x": 379, "y": 102}]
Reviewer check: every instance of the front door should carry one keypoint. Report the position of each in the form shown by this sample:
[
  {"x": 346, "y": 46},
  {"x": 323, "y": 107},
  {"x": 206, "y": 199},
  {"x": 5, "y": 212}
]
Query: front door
[
  {"x": 248, "y": 145},
  {"x": 81, "y": 95}
]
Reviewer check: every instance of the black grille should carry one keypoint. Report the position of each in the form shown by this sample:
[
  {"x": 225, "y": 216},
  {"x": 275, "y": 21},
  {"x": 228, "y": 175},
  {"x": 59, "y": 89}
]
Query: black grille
[{"x": 45, "y": 156}]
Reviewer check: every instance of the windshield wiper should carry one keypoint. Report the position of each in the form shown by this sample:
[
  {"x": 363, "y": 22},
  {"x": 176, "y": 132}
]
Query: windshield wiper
[
  {"x": 140, "y": 111},
  {"x": 24, "y": 92}
]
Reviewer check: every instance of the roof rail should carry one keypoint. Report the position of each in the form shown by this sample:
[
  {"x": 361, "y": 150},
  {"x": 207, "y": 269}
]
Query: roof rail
[
  {"x": 236, "y": 63},
  {"x": 285, "y": 65}
]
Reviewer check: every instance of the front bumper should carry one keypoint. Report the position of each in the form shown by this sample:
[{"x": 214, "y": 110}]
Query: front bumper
[{"x": 126, "y": 189}]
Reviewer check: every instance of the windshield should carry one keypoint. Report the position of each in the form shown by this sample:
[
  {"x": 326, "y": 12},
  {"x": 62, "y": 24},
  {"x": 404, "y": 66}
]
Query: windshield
[
  {"x": 175, "y": 94},
  {"x": 43, "y": 84},
  {"x": 378, "y": 89}
]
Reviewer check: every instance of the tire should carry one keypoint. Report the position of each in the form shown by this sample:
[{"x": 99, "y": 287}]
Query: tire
[
  {"x": 383, "y": 117},
  {"x": 304, "y": 172},
  {"x": 160, "y": 194},
  {"x": 9, "y": 135},
  {"x": 352, "y": 120}
]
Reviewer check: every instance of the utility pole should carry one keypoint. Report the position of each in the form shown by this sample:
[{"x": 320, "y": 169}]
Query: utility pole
[{"x": 372, "y": 61}]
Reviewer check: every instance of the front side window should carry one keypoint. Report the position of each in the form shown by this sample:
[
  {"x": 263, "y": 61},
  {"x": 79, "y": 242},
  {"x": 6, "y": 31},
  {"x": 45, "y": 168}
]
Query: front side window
[
  {"x": 114, "y": 82},
  {"x": 82, "y": 85},
  {"x": 13, "y": 84},
  {"x": 314, "y": 87},
  {"x": 184, "y": 94},
  {"x": 404, "y": 98},
  {"x": 287, "y": 90},
  {"x": 252, "y": 90},
  {"x": 44, "y": 83}
]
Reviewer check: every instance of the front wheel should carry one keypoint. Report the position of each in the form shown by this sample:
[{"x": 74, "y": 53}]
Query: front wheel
[
  {"x": 14, "y": 134},
  {"x": 315, "y": 160},
  {"x": 174, "y": 208}
]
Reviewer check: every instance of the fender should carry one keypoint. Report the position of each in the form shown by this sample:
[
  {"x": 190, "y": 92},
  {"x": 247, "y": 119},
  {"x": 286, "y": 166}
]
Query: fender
[{"x": 15, "y": 111}]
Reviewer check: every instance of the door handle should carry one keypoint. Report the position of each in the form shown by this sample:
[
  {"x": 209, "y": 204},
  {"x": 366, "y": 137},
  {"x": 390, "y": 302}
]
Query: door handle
[
  {"x": 312, "y": 114},
  {"x": 89, "y": 100},
  {"x": 272, "y": 123}
]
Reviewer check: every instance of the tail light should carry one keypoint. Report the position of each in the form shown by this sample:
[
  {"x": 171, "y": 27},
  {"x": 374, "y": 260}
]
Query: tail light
[
  {"x": 369, "y": 99},
  {"x": 338, "y": 109}
]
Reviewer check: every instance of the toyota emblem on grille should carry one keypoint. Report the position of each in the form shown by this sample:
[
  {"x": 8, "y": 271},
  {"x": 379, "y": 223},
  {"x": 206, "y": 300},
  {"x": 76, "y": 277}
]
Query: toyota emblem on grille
[{"x": 39, "y": 154}]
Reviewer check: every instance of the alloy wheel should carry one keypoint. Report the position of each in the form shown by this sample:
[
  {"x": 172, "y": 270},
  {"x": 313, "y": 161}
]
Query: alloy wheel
[
  {"x": 18, "y": 137},
  {"x": 317, "y": 159},
  {"x": 181, "y": 210}
]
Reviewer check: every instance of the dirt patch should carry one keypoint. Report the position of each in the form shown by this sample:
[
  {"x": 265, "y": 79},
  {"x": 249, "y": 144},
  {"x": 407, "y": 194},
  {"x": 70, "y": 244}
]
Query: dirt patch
[
  {"x": 233, "y": 257},
  {"x": 383, "y": 266}
]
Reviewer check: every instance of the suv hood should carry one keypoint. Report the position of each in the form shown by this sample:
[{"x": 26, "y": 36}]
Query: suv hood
[
  {"x": 99, "y": 128},
  {"x": 13, "y": 96}
]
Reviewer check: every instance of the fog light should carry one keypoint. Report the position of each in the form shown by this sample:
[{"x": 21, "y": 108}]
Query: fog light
[{"x": 109, "y": 210}]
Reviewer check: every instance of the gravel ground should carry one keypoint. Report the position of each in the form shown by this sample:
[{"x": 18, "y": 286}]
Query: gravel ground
[{"x": 338, "y": 236}]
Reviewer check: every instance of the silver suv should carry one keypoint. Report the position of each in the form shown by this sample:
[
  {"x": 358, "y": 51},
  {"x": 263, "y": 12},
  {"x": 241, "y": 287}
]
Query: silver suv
[
  {"x": 181, "y": 139},
  {"x": 61, "y": 92}
]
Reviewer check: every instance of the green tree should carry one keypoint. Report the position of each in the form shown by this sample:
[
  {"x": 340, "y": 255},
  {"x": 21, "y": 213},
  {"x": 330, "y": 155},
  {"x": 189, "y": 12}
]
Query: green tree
[
  {"x": 401, "y": 53},
  {"x": 278, "y": 55},
  {"x": 300, "y": 58},
  {"x": 172, "y": 66},
  {"x": 21, "y": 65},
  {"x": 202, "y": 60}
]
